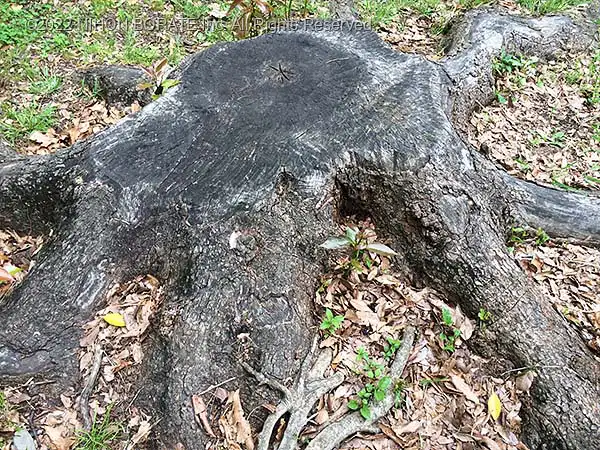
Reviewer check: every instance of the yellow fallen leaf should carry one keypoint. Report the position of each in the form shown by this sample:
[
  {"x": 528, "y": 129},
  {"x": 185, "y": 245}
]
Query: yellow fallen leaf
[
  {"x": 494, "y": 406},
  {"x": 115, "y": 319}
]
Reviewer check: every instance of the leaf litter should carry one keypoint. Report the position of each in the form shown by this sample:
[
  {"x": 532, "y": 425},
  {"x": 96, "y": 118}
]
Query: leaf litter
[
  {"x": 544, "y": 124},
  {"x": 137, "y": 302}
]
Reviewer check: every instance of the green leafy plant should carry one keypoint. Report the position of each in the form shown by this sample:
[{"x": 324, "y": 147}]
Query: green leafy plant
[
  {"x": 160, "y": 82},
  {"x": 359, "y": 245},
  {"x": 515, "y": 70},
  {"x": 507, "y": 63},
  {"x": 391, "y": 348},
  {"x": 484, "y": 315},
  {"x": 517, "y": 235},
  {"x": 376, "y": 386},
  {"x": 450, "y": 334},
  {"x": 372, "y": 391},
  {"x": 101, "y": 434},
  {"x": 541, "y": 237},
  {"x": 19, "y": 123},
  {"x": 501, "y": 98},
  {"x": 331, "y": 323}
]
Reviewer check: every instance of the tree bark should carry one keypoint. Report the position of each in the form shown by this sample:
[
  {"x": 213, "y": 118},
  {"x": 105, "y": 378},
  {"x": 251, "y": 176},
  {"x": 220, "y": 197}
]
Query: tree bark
[{"x": 274, "y": 139}]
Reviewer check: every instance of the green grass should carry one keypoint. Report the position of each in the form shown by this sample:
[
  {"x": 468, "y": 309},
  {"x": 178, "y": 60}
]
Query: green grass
[
  {"x": 540, "y": 7},
  {"x": 382, "y": 12},
  {"x": 470, "y": 4},
  {"x": 191, "y": 9},
  {"x": 16, "y": 124},
  {"x": 100, "y": 435},
  {"x": 44, "y": 83}
]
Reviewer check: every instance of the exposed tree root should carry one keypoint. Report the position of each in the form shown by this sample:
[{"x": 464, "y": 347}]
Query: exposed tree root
[
  {"x": 310, "y": 387},
  {"x": 84, "y": 398},
  {"x": 561, "y": 214}
]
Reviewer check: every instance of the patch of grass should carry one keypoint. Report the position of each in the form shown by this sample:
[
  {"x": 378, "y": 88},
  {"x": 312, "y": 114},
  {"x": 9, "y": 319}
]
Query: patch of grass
[
  {"x": 378, "y": 12},
  {"x": 540, "y": 7},
  {"x": 45, "y": 83},
  {"x": 134, "y": 53},
  {"x": 191, "y": 9},
  {"x": 101, "y": 7},
  {"x": 590, "y": 85},
  {"x": 100, "y": 435},
  {"x": 382, "y": 12},
  {"x": 19, "y": 123},
  {"x": 470, "y": 4}
]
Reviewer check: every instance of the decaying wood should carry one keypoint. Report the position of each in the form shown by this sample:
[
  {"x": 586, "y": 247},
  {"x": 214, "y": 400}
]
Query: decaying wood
[{"x": 218, "y": 189}]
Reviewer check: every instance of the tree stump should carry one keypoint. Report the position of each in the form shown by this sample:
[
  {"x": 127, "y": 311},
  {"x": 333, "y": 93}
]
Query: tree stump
[{"x": 225, "y": 187}]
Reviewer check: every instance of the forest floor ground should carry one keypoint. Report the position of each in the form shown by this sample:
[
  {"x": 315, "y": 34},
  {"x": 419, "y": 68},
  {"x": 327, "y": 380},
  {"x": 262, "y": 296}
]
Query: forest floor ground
[{"x": 543, "y": 126}]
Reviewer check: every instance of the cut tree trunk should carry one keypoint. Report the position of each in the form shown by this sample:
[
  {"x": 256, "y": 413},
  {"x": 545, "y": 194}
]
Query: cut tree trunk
[{"x": 225, "y": 187}]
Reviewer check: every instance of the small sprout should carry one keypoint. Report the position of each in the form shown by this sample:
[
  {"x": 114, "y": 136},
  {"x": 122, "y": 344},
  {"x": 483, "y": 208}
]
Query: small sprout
[
  {"x": 518, "y": 235},
  {"x": 390, "y": 350},
  {"x": 541, "y": 237},
  {"x": 331, "y": 323},
  {"x": 449, "y": 339},
  {"x": 484, "y": 315},
  {"x": 375, "y": 389},
  {"x": 524, "y": 166},
  {"x": 447, "y": 317},
  {"x": 361, "y": 249}
]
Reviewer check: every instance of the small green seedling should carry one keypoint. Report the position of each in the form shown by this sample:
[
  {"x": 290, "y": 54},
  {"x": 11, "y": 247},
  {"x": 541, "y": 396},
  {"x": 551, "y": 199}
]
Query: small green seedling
[
  {"x": 354, "y": 240},
  {"x": 484, "y": 315},
  {"x": 331, "y": 323},
  {"x": 390, "y": 350},
  {"x": 541, "y": 237},
  {"x": 518, "y": 235},
  {"x": 372, "y": 391},
  {"x": 524, "y": 166},
  {"x": 507, "y": 63},
  {"x": 357, "y": 243},
  {"x": 376, "y": 387},
  {"x": 448, "y": 339}
]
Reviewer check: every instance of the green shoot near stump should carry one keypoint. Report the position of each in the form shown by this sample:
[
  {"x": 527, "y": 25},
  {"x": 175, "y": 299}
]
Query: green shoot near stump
[{"x": 331, "y": 323}]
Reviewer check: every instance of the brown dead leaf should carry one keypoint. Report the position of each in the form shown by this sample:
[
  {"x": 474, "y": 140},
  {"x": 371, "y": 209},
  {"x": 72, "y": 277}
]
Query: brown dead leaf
[
  {"x": 322, "y": 417},
  {"x": 464, "y": 388},
  {"x": 5, "y": 276},
  {"x": 200, "y": 414},
  {"x": 141, "y": 435},
  {"x": 244, "y": 432}
]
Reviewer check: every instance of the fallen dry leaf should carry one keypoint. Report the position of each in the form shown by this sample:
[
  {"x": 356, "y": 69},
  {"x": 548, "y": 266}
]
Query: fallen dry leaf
[{"x": 200, "y": 414}]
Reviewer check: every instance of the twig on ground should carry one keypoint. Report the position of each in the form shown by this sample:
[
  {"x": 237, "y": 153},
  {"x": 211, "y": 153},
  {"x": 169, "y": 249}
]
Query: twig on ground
[
  {"x": 84, "y": 407},
  {"x": 214, "y": 386}
]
